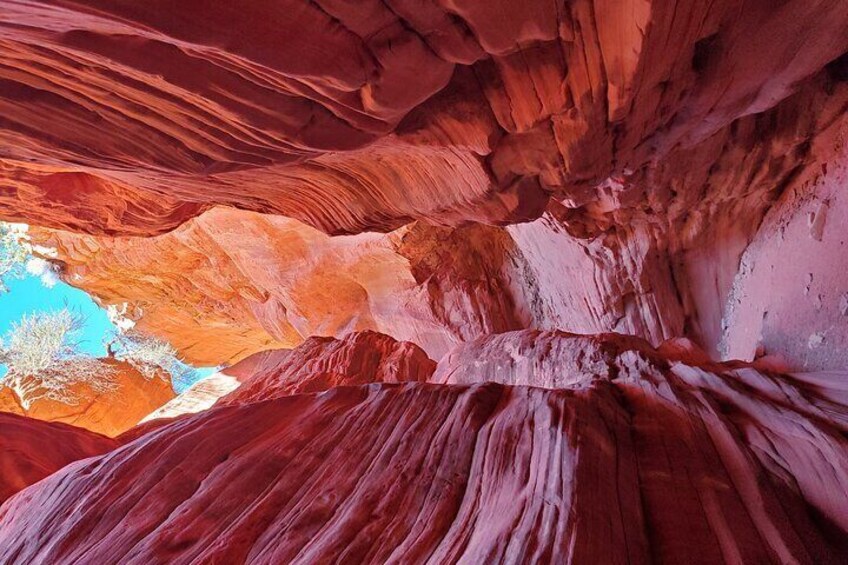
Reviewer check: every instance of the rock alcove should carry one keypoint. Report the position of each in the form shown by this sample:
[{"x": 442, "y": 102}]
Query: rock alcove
[{"x": 489, "y": 281}]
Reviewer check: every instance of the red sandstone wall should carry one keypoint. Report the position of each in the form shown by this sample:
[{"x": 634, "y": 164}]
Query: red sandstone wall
[{"x": 635, "y": 457}]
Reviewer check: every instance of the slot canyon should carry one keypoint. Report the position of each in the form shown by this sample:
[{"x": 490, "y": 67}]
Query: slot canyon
[{"x": 501, "y": 281}]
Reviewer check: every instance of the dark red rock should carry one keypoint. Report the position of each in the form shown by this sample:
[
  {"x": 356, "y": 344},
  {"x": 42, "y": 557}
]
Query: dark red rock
[
  {"x": 664, "y": 169},
  {"x": 647, "y": 147},
  {"x": 323, "y": 363},
  {"x": 32, "y": 449},
  {"x": 652, "y": 460},
  {"x": 352, "y": 119}
]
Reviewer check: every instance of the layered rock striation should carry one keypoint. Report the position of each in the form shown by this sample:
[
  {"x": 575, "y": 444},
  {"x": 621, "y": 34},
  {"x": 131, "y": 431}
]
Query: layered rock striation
[
  {"x": 315, "y": 365},
  {"x": 352, "y": 119},
  {"x": 576, "y": 166},
  {"x": 673, "y": 258},
  {"x": 636, "y": 456},
  {"x": 267, "y": 186},
  {"x": 31, "y": 449},
  {"x": 324, "y": 363}
]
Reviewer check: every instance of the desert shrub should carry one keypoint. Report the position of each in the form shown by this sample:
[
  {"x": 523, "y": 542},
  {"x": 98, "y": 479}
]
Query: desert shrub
[
  {"x": 43, "y": 358},
  {"x": 151, "y": 357},
  {"x": 19, "y": 257}
]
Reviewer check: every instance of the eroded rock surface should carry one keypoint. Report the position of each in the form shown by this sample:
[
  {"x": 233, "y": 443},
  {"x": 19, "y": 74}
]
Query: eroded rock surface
[
  {"x": 267, "y": 184},
  {"x": 639, "y": 457},
  {"x": 317, "y": 364},
  {"x": 196, "y": 398},
  {"x": 642, "y": 143},
  {"x": 543, "y": 359},
  {"x": 661, "y": 258},
  {"x": 790, "y": 295},
  {"x": 351, "y": 119},
  {"x": 323, "y": 363},
  {"x": 232, "y": 283},
  {"x": 130, "y": 397},
  {"x": 32, "y": 449}
]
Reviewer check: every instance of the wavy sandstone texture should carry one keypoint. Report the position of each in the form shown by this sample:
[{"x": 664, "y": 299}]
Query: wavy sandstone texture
[
  {"x": 364, "y": 117},
  {"x": 110, "y": 413},
  {"x": 31, "y": 449},
  {"x": 268, "y": 185},
  {"x": 646, "y": 140},
  {"x": 323, "y": 363},
  {"x": 636, "y": 457},
  {"x": 665, "y": 263},
  {"x": 315, "y": 365}
]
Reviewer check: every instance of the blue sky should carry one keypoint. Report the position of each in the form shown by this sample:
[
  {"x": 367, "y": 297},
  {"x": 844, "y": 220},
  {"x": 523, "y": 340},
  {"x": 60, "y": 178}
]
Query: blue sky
[{"x": 29, "y": 294}]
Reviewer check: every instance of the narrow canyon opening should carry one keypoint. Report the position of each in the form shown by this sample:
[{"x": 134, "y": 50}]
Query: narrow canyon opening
[{"x": 390, "y": 281}]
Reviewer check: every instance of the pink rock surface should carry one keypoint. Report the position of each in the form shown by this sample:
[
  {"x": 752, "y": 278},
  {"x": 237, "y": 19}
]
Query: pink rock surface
[
  {"x": 790, "y": 296},
  {"x": 323, "y": 363},
  {"x": 657, "y": 257},
  {"x": 473, "y": 179},
  {"x": 646, "y": 148},
  {"x": 543, "y": 359},
  {"x": 196, "y": 398},
  {"x": 32, "y": 449},
  {"x": 653, "y": 460}
]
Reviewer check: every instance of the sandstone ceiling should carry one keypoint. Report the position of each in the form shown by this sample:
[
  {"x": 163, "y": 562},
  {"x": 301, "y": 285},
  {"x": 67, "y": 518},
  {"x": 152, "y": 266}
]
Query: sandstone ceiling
[{"x": 644, "y": 142}]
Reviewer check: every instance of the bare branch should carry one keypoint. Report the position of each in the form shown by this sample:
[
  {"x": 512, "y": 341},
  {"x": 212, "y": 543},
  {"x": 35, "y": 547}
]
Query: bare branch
[{"x": 43, "y": 359}]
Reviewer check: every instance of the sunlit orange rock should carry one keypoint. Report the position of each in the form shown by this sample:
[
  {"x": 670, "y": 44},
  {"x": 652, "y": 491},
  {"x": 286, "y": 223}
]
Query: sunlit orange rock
[
  {"x": 109, "y": 412},
  {"x": 231, "y": 283},
  {"x": 649, "y": 258},
  {"x": 267, "y": 184},
  {"x": 635, "y": 457},
  {"x": 9, "y": 402}
]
